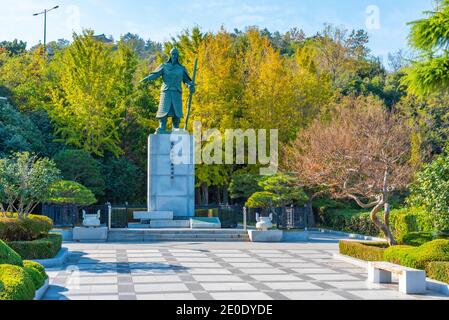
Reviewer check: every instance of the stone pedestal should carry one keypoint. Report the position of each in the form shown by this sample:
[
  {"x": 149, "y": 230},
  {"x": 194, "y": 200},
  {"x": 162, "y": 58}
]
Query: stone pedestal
[
  {"x": 171, "y": 175},
  {"x": 265, "y": 236},
  {"x": 93, "y": 234}
]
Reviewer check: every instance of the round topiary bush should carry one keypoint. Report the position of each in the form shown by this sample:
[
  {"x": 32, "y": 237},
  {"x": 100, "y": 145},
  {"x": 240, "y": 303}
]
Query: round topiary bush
[
  {"x": 16, "y": 283},
  {"x": 37, "y": 266},
  {"x": 31, "y": 228},
  {"x": 36, "y": 277},
  {"x": 9, "y": 256}
]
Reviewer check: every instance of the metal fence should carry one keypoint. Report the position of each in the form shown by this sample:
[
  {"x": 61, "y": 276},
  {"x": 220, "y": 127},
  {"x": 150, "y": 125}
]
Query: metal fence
[
  {"x": 72, "y": 215},
  {"x": 230, "y": 215}
]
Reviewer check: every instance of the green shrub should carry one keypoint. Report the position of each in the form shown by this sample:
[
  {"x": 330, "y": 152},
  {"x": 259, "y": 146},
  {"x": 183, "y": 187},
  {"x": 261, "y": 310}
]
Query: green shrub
[
  {"x": 416, "y": 239},
  {"x": 407, "y": 220},
  {"x": 37, "y": 266},
  {"x": 418, "y": 257},
  {"x": 44, "y": 248},
  {"x": 348, "y": 220},
  {"x": 367, "y": 251},
  {"x": 36, "y": 277},
  {"x": 15, "y": 283},
  {"x": 31, "y": 228},
  {"x": 438, "y": 270},
  {"x": 9, "y": 256},
  {"x": 402, "y": 221}
]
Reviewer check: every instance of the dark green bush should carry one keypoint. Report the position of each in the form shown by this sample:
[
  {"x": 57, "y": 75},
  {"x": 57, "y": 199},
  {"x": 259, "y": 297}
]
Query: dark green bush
[
  {"x": 348, "y": 220},
  {"x": 402, "y": 221},
  {"x": 367, "y": 251},
  {"x": 407, "y": 220},
  {"x": 37, "y": 266},
  {"x": 36, "y": 277},
  {"x": 44, "y": 248},
  {"x": 31, "y": 228},
  {"x": 16, "y": 283},
  {"x": 416, "y": 239},
  {"x": 9, "y": 256},
  {"x": 418, "y": 257},
  {"x": 438, "y": 270}
]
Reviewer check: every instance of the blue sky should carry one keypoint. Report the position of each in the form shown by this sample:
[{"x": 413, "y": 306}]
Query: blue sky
[{"x": 159, "y": 20}]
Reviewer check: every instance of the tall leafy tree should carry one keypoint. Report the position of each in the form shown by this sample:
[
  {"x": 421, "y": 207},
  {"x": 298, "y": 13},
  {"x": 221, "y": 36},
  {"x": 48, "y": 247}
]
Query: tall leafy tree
[
  {"x": 430, "y": 37},
  {"x": 84, "y": 108},
  {"x": 81, "y": 167}
]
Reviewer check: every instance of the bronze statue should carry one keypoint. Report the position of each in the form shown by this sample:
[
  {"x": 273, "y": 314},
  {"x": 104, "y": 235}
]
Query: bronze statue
[{"x": 173, "y": 75}]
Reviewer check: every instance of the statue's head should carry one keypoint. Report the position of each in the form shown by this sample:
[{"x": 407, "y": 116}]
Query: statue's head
[{"x": 174, "y": 55}]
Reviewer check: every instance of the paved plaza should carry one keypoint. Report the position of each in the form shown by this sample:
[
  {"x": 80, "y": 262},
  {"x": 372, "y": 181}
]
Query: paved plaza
[{"x": 214, "y": 271}]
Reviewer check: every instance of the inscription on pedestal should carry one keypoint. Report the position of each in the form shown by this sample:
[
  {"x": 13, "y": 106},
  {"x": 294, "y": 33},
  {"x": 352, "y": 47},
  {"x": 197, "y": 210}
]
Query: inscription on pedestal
[{"x": 171, "y": 183}]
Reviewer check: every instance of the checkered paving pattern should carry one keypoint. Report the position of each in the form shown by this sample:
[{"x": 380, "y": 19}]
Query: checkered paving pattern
[{"x": 170, "y": 273}]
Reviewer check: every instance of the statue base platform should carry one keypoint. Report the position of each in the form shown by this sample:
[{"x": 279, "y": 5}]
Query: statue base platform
[{"x": 171, "y": 176}]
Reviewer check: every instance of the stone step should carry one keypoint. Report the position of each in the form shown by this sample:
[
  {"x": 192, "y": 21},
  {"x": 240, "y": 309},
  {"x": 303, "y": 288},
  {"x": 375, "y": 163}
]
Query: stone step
[
  {"x": 168, "y": 235},
  {"x": 179, "y": 240},
  {"x": 179, "y": 231},
  {"x": 137, "y": 235}
]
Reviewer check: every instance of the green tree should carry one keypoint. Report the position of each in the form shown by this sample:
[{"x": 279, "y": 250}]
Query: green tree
[
  {"x": 81, "y": 167},
  {"x": 126, "y": 182},
  {"x": 431, "y": 191},
  {"x": 84, "y": 106},
  {"x": 242, "y": 186},
  {"x": 18, "y": 132},
  {"x": 24, "y": 77},
  {"x": 430, "y": 37},
  {"x": 69, "y": 192},
  {"x": 14, "y": 47},
  {"x": 25, "y": 182}
]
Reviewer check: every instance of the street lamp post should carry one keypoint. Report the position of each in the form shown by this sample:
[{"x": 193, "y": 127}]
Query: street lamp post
[{"x": 45, "y": 23}]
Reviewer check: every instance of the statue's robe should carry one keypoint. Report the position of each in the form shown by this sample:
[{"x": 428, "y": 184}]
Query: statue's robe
[{"x": 173, "y": 75}]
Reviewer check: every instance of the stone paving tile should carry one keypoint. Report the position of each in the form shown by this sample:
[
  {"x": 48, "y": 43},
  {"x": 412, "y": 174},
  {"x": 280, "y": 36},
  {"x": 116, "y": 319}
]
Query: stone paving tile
[
  {"x": 227, "y": 286},
  {"x": 329, "y": 277},
  {"x": 205, "y": 271},
  {"x": 171, "y": 296},
  {"x": 166, "y": 287},
  {"x": 240, "y": 296},
  {"x": 217, "y": 278},
  {"x": 300, "y": 286},
  {"x": 275, "y": 277},
  {"x": 312, "y": 295}
]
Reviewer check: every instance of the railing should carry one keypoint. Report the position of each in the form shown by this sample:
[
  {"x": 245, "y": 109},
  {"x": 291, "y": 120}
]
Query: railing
[{"x": 118, "y": 216}]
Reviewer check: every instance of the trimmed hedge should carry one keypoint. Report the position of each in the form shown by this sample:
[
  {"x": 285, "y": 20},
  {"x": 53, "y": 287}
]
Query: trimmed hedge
[
  {"x": 438, "y": 270},
  {"x": 31, "y": 228},
  {"x": 416, "y": 239},
  {"x": 9, "y": 256},
  {"x": 15, "y": 283},
  {"x": 418, "y": 257},
  {"x": 367, "y": 251},
  {"x": 44, "y": 248},
  {"x": 402, "y": 221},
  {"x": 36, "y": 277},
  {"x": 35, "y": 265}
]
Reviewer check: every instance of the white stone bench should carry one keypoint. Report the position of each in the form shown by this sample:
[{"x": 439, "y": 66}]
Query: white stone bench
[{"x": 411, "y": 281}]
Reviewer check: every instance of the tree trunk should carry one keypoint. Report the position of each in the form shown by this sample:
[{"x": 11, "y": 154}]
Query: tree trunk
[
  {"x": 225, "y": 195},
  {"x": 219, "y": 195},
  {"x": 383, "y": 226},
  {"x": 198, "y": 196},
  {"x": 205, "y": 194}
]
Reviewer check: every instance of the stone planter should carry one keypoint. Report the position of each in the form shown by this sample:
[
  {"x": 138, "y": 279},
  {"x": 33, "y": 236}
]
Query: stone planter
[
  {"x": 57, "y": 261},
  {"x": 265, "y": 236},
  {"x": 41, "y": 291}
]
